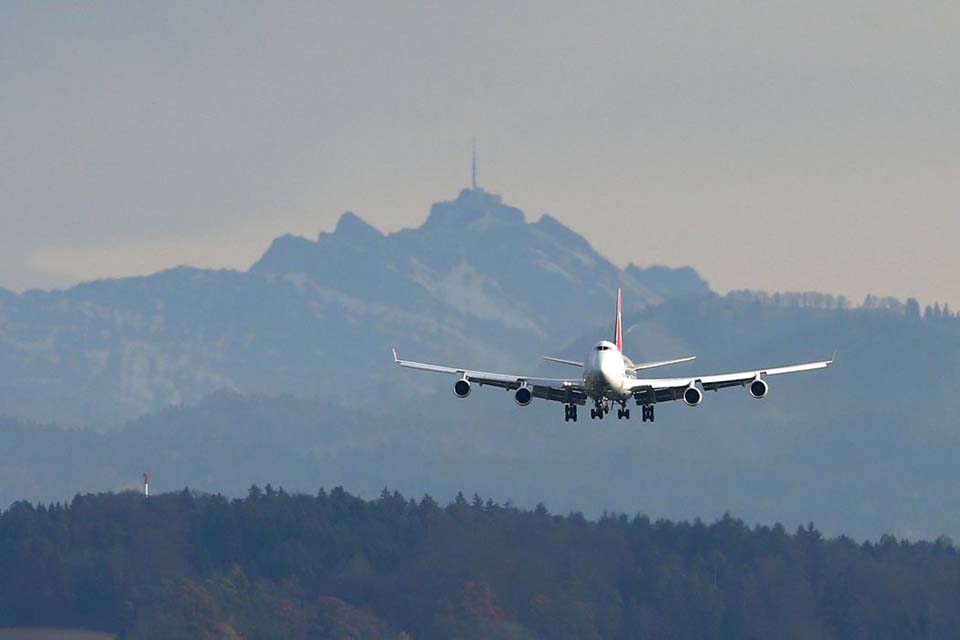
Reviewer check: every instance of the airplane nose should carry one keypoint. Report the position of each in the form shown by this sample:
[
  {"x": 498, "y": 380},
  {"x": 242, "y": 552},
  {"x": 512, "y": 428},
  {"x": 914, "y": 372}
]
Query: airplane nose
[{"x": 610, "y": 372}]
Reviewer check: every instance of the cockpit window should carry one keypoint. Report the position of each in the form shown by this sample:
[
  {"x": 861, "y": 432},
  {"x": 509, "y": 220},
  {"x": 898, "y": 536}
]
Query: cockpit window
[{"x": 602, "y": 347}]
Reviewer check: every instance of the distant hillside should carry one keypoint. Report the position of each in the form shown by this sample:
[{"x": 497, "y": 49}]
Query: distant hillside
[
  {"x": 668, "y": 283},
  {"x": 329, "y": 565},
  {"x": 42, "y": 633},
  {"x": 839, "y": 446},
  {"x": 302, "y": 343},
  {"x": 476, "y": 281}
]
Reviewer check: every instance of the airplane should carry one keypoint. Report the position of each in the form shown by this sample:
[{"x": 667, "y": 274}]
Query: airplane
[{"x": 609, "y": 377}]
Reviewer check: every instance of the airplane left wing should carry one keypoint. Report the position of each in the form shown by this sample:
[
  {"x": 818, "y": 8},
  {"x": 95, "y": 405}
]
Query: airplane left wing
[
  {"x": 650, "y": 390},
  {"x": 567, "y": 390}
]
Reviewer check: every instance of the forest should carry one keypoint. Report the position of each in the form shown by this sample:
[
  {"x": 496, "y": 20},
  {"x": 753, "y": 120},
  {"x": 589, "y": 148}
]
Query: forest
[{"x": 333, "y": 565}]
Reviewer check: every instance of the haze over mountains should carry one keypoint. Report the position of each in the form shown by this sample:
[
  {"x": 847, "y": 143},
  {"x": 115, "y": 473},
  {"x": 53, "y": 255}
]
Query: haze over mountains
[
  {"x": 476, "y": 281},
  {"x": 301, "y": 342}
]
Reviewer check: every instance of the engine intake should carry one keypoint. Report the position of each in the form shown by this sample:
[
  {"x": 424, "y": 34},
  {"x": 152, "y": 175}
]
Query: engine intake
[
  {"x": 759, "y": 388},
  {"x": 692, "y": 396},
  {"x": 523, "y": 396},
  {"x": 461, "y": 388}
]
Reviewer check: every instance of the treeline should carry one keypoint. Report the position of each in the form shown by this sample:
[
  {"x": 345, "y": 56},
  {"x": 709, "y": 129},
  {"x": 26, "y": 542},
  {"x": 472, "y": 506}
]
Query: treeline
[
  {"x": 276, "y": 565},
  {"x": 816, "y": 300}
]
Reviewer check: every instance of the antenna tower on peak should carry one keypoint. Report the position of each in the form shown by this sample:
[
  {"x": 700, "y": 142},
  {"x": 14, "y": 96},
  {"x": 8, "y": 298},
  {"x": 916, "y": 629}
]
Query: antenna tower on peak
[{"x": 473, "y": 173}]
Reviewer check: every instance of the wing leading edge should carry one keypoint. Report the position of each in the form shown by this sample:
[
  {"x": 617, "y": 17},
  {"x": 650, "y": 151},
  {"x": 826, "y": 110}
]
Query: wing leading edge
[
  {"x": 558, "y": 389},
  {"x": 666, "y": 389}
]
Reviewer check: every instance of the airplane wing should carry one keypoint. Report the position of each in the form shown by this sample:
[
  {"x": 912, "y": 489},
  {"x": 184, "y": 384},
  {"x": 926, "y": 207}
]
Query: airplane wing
[
  {"x": 558, "y": 389},
  {"x": 659, "y": 363},
  {"x": 650, "y": 390}
]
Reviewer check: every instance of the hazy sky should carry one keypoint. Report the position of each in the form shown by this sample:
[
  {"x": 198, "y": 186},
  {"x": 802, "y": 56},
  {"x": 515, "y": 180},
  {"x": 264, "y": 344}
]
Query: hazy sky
[{"x": 809, "y": 145}]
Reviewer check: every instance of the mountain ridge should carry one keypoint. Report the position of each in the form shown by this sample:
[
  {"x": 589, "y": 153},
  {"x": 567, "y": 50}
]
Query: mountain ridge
[
  {"x": 862, "y": 448},
  {"x": 475, "y": 280}
]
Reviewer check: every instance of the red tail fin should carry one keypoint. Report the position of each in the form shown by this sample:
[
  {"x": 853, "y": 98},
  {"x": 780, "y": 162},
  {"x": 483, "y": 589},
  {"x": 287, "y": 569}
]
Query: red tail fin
[{"x": 618, "y": 332}]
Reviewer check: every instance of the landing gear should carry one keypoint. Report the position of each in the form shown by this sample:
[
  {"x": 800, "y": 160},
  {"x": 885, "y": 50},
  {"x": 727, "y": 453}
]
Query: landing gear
[
  {"x": 570, "y": 413},
  {"x": 647, "y": 413},
  {"x": 623, "y": 412},
  {"x": 598, "y": 410}
]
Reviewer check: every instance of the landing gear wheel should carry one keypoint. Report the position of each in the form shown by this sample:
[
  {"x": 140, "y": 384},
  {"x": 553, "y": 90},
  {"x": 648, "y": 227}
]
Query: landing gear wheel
[
  {"x": 647, "y": 414},
  {"x": 626, "y": 413},
  {"x": 570, "y": 413}
]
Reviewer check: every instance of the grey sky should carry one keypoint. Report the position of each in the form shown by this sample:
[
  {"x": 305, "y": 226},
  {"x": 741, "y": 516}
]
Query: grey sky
[{"x": 771, "y": 145}]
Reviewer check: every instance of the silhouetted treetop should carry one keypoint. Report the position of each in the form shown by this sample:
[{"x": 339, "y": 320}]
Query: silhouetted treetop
[{"x": 281, "y": 565}]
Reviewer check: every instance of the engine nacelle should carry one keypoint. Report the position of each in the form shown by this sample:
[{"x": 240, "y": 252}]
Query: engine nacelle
[
  {"x": 692, "y": 396},
  {"x": 523, "y": 396},
  {"x": 758, "y": 388},
  {"x": 461, "y": 388}
]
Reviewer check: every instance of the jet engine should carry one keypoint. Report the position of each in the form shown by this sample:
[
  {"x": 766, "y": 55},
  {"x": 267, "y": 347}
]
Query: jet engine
[
  {"x": 461, "y": 388},
  {"x": 758, "y": 388},
  {"x": 523, "y": 396},
  {"x": 692, "y": 396}
]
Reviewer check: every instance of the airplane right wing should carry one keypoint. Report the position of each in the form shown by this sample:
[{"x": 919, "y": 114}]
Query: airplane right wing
[
  {"x": 567, "y": 390},
  {"x": 650, "y": 390}
]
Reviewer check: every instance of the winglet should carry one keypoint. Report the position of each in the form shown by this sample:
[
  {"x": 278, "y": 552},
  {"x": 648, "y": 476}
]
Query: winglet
[
  {"x": 833, "y": 358},
  {"x": 395, "y": 358}
]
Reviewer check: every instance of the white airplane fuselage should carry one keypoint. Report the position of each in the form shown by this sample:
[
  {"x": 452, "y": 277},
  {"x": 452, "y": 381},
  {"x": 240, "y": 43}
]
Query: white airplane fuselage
[{"x": 605, "y": 373}]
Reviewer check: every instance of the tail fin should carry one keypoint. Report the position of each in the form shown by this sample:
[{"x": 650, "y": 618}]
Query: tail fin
[{"x": 618, "y": 332}]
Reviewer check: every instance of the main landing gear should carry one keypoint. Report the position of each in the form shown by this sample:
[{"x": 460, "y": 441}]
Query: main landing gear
[
  {"x": 599, "y": 410},
  {"x": 647, "y": 413},
  {"x": 570, "y": 413},
  {"x": 602, "y": 408}
]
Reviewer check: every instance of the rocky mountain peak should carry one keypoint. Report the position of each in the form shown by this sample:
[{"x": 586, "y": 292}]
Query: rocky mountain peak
[
  {"x": 353, "y": 227},
  {"x": 474, "y": 209}
]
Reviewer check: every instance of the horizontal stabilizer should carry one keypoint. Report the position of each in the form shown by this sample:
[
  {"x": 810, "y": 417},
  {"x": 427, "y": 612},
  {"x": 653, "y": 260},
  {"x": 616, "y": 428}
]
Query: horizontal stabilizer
[
  {"x": 572, "y": 363},
  {"x": 659, "y": 363}
]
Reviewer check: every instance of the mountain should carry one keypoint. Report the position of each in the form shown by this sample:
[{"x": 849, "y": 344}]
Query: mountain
[
  {"x": 476, "y": 282},
  {"x": 667, "y": 282},
  {"x": 837, "y": 447},
  {"x": 216, "y": 379}
]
